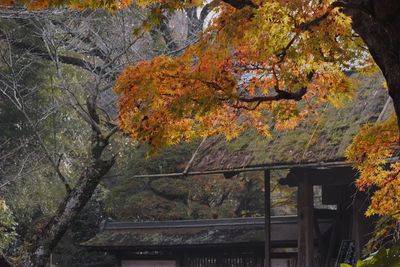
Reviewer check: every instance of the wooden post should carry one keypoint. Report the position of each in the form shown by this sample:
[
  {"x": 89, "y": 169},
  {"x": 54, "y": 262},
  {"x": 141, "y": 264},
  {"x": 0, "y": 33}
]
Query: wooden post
[
  {"x": 219, "y": 260},
  {"x": 267, "y": 201},
  {"x": 305, "y": 210}
]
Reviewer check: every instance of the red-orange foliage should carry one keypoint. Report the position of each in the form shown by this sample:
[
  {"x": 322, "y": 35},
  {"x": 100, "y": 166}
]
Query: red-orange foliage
[{"x": 251, "y": 67}]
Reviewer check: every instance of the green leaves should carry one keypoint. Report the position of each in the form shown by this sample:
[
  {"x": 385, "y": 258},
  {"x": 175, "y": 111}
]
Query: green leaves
[
  {"x": 7, "y": 226},
  {"x": 383, "y": 258}
]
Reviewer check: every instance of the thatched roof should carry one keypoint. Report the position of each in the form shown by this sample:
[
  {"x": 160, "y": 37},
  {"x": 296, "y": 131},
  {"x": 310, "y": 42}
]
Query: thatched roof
[
  {"x": 322, "y": 141},
  {"x": 197, "y": 233}
]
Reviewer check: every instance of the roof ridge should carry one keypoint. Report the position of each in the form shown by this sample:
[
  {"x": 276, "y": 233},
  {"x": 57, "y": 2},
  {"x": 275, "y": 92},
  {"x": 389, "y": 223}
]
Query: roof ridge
[{"x": 198, "y": 223}]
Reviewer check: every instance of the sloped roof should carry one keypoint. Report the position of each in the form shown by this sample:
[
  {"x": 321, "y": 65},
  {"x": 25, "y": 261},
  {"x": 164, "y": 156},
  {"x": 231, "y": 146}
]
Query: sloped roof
[
  {"x": 195, "y": 233},
  {"x": 322, "y": 141}
]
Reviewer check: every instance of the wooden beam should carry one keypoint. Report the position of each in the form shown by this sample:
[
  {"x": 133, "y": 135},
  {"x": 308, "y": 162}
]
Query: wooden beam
[
  {"x": 267, "y": 229},
  {"x": 334, "y": 176},
  {"x": 252, "y": 168},
  {"x": 305, "y": 209}
]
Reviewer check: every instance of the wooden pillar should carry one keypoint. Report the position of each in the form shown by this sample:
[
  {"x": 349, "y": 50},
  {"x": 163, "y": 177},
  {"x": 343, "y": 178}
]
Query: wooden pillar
[
  {"x": 362, "y": 226},
  {"x": 182, "y": 260},
  {"x": 259, "y": 259},
  {"x": 219, "y": 260},
  {"x": 267, "y": 229},
  {"x": 305, "y": 211}
]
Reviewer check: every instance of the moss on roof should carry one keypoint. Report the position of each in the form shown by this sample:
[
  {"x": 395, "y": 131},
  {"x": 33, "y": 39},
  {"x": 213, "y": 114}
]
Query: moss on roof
[
  {"x": 312, "y": 141},
  {"x": 171, "y": 237},
  {"x": 164, "y": 235}
]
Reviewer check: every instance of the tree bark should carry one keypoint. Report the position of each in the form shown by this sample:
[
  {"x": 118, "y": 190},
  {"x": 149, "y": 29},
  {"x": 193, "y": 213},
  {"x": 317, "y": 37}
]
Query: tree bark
[
  {"x": 68, "y": 211},
  {"x": 378, "y": 24},
  {"x": 74, "y": 202}
]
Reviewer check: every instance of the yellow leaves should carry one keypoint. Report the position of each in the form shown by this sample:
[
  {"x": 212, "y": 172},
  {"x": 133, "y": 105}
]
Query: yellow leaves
[
  {"x": 244, "y": 52},
  {"x": 165, "y": 100},
  {"x": 386, "y": 200},
  {"x": 281, "y": 46},
  {"x": 270, "y": 27},
  {"x": 3, "y": 206},
  {"x": 374, "y": 142},
  {"x": 370, "y": 150},
  {"x": 333, "y": 86}
]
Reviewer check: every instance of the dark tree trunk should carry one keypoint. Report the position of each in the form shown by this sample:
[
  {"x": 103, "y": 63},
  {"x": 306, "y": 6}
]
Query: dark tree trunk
[
  {"x": 74, "y": 202},
  {"x": 68, "y": 211},
  {"x": 378, "y": 24}
]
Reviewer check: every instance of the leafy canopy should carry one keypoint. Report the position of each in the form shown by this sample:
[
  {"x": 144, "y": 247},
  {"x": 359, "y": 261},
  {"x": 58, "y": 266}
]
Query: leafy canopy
[
  {"x": 232, "y": 78},
  {"x": 250, "y": 68},
  {"x": 370, "y": 149}
]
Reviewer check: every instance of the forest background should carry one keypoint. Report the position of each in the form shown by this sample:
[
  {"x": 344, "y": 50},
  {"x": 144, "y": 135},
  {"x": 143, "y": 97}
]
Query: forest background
[
  {"x": 81, "y": 61},
  {"x": 45, "y": 132}
]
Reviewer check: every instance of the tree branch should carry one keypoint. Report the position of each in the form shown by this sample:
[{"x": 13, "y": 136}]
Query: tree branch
[
  {"x": 20, "y": 45},
  {"x": 239, "y": 4},
  {"x": 280, "y": 94}
]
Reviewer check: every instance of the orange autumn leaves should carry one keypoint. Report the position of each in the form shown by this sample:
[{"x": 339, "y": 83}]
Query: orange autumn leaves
[
  {"x": 168, "y": 100},
  {"x": 370, "y": 151},
  {"x": 243, "y": 54}
]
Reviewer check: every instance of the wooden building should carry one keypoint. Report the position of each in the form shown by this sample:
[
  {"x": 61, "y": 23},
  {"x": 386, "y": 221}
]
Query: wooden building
[
  {"x": 313, "y": 155},
  {"x": 201, "y": 243},
  {"x": 315, "y": 237}
]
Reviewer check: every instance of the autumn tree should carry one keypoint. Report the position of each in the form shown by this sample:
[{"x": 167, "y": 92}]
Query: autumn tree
[
  {"x": 58, "y": 69},
  {"x": 262, "y": 64}
]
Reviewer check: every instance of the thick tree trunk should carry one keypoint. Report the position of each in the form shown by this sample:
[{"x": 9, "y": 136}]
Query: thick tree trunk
[
  {"x": 68, "y": 211},
  {"x": 74, "y": 202},
  {"x": 378, "y": 24}
]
